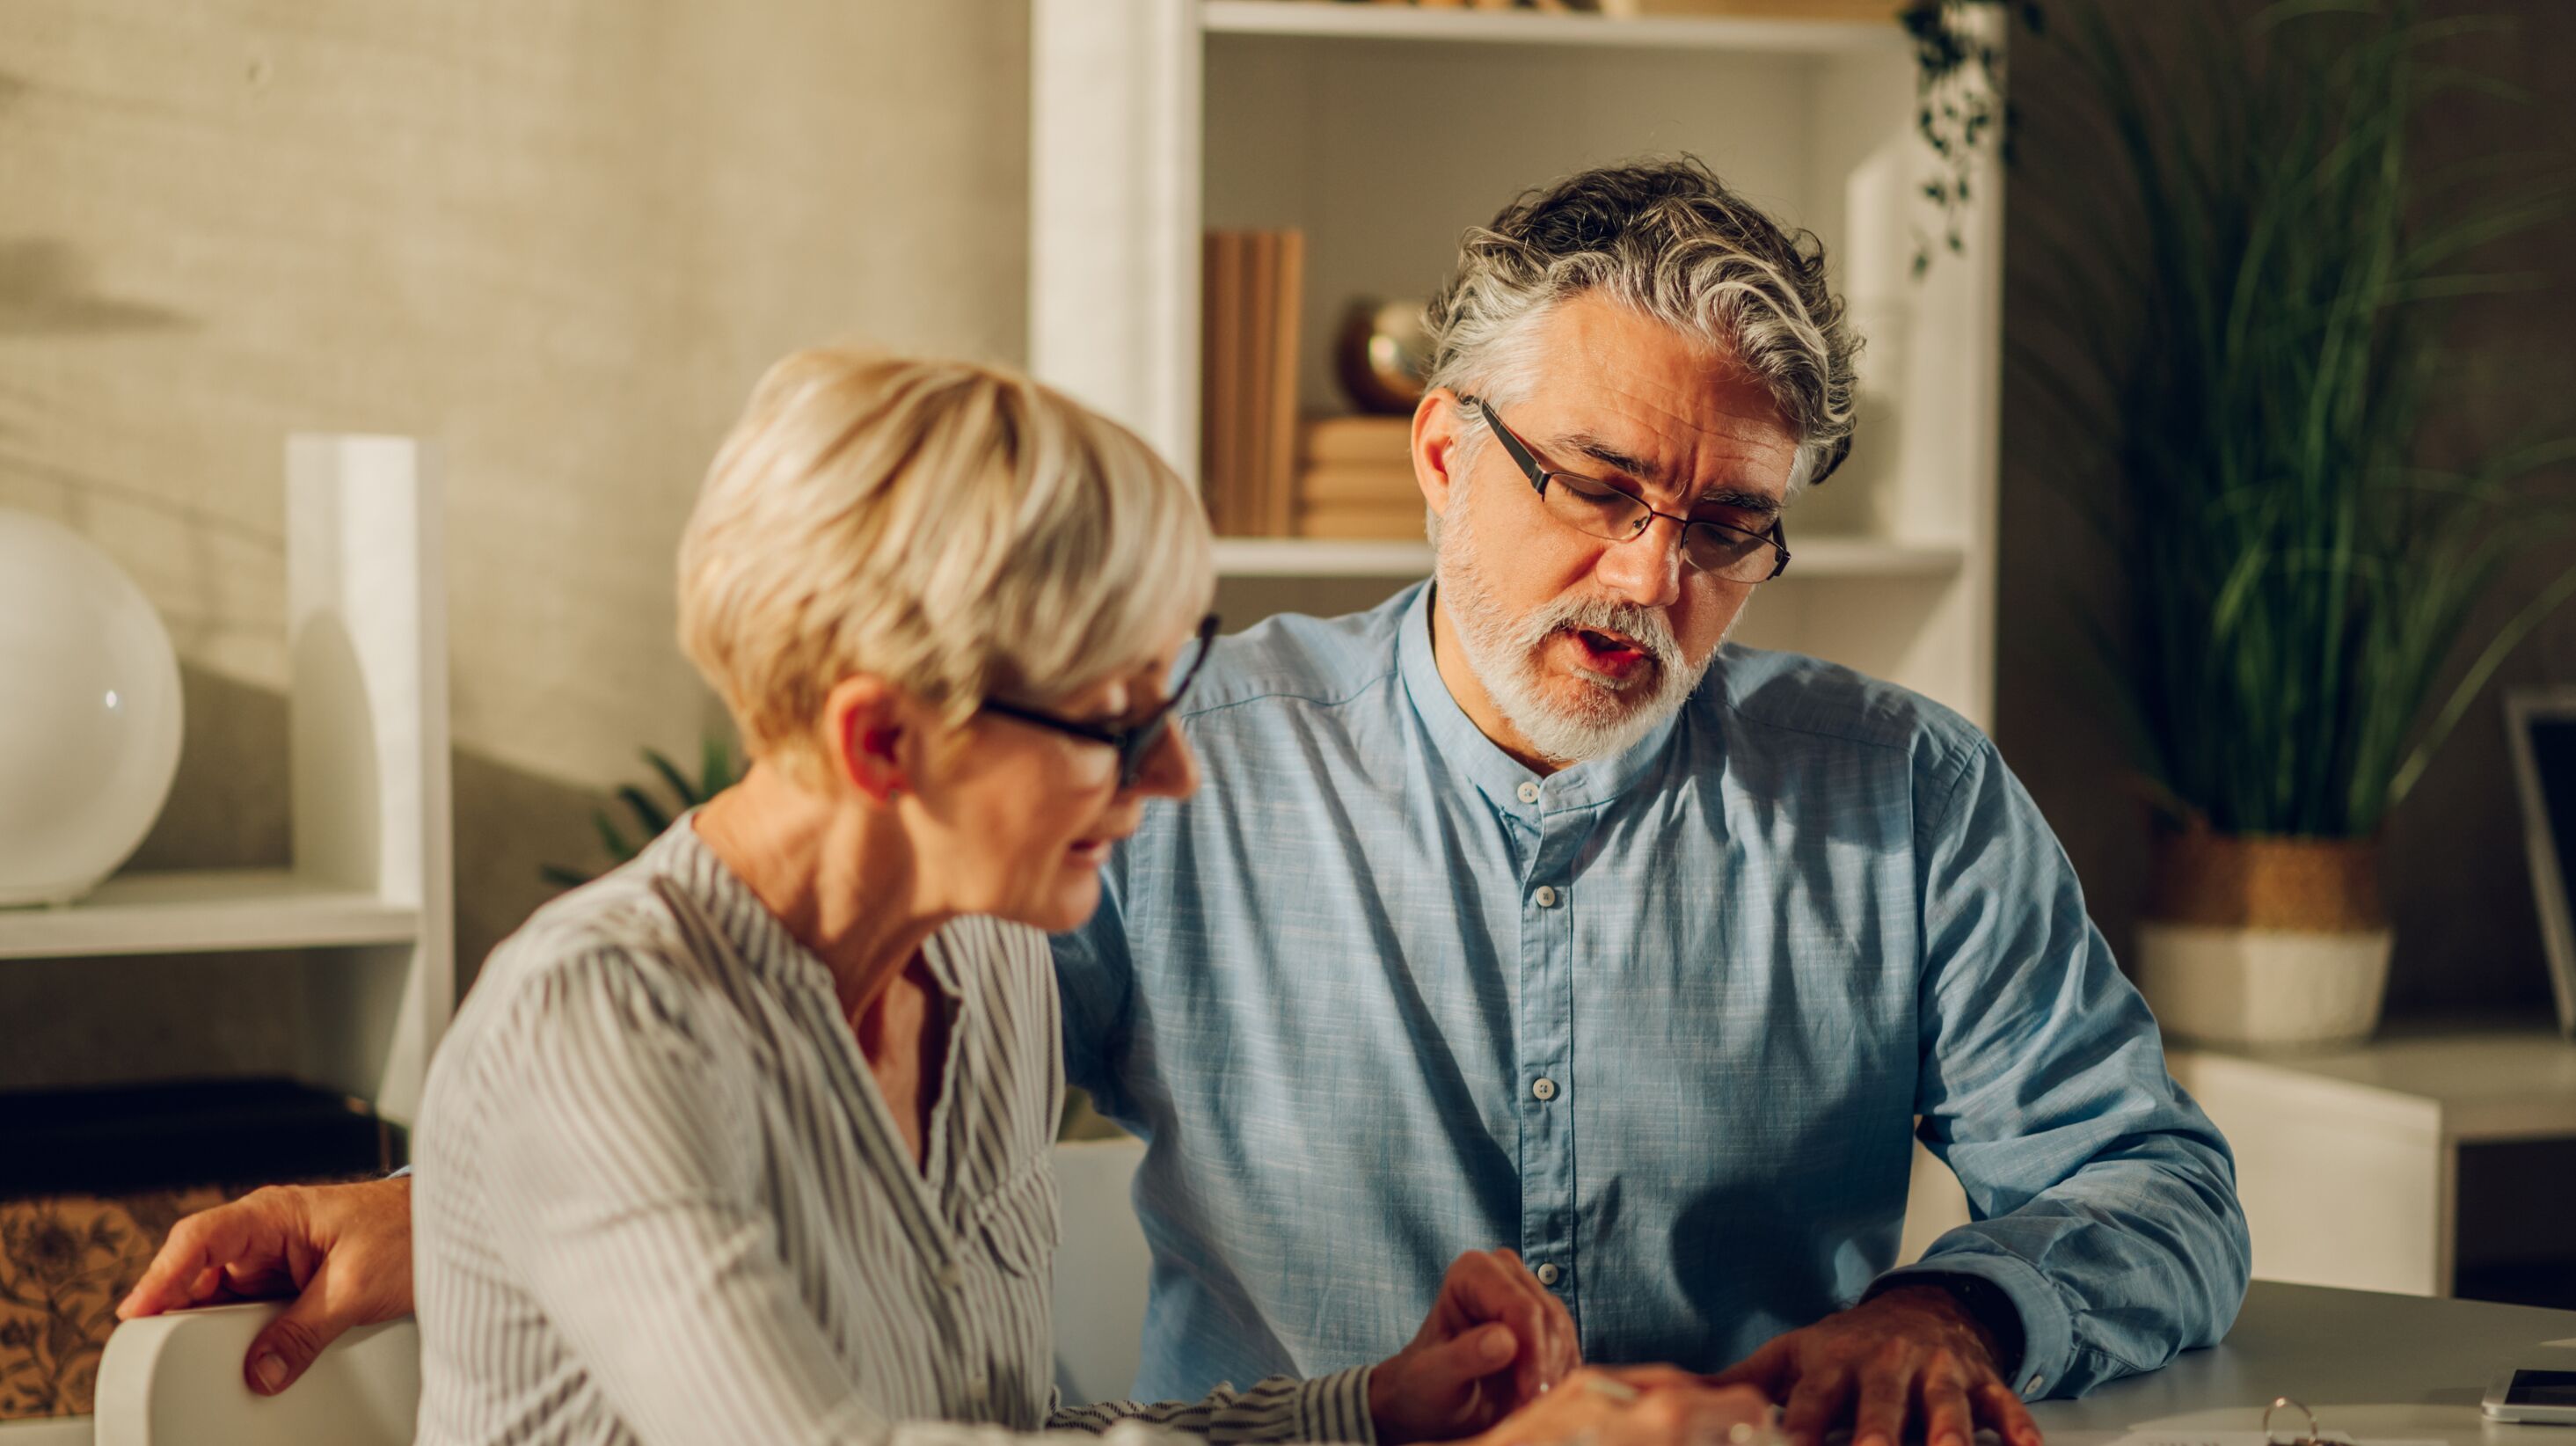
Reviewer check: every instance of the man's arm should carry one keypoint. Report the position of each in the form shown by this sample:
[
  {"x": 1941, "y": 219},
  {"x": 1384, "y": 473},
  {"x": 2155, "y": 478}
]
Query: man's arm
[
  {"x": 2107, "y": 1235},
  {"x": 1092, "y": 976},
  {"x": 343, "y": 1252},
  {"x": 2105, "y": 1200}
]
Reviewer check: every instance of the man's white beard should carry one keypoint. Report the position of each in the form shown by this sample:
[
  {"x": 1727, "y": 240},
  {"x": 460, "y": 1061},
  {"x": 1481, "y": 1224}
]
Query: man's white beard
[{"x": 1609, "y": 715}]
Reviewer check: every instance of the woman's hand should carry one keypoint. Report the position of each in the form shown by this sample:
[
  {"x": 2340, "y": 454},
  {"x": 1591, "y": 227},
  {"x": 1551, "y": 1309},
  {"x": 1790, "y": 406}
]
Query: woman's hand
[
  {"x": 343, "y": 1251},
  {"x": 1494, "y": 1341},
  {"x": 1638, "y": 1406}
]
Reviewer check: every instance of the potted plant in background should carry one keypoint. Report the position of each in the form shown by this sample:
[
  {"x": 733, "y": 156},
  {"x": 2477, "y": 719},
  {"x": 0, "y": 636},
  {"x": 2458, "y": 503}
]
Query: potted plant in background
[
  {"x": 2246, "y": 317},
  {"x": 717, "y": 771}
]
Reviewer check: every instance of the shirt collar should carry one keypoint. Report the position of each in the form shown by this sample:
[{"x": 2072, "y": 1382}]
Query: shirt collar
[
  {"x": 759, "y": 938},
  {"x": 1496, "y": 774}
]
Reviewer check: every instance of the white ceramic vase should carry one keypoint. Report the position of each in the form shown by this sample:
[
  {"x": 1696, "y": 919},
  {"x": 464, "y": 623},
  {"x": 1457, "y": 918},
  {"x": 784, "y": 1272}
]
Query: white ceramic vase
[
  {"x": 2262, "y": 988},
  {"x": 89, "y": 713}
]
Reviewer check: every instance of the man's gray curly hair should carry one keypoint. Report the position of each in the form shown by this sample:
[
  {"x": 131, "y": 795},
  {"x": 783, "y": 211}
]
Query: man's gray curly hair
[{"x": 1667, "y": 238}]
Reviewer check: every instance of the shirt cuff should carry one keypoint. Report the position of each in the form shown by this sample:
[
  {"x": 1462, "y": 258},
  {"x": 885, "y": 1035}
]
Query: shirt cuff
[
  {"x": 1336, "y": 1408},
  {"x": 2047, "y": 1329}
]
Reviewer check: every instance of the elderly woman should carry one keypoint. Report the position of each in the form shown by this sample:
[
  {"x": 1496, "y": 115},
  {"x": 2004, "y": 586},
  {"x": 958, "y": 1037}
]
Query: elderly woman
[{"x": 749, "y": 1140}]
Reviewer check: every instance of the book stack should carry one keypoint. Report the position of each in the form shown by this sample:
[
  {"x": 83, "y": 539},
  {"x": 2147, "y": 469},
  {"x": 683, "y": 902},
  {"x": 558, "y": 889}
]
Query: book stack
[
  {"x": 1251, "y": 287},
  {"x": 1355, "y": 478}
]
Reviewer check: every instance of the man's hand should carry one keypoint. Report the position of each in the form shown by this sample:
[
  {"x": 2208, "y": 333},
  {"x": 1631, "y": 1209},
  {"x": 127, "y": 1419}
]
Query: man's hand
[
  {"x": 1913, "y": 1353},
  {"x": 1494, "y": 1341},
  {"x": 345, "y": 1250},
  {"x": 1635, "y": 1406}
]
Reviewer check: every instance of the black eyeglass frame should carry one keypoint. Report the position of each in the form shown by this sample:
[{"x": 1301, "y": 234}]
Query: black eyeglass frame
[
  {"x": 1136, "y": 741},
  {"x": 1776, "y": 538}
]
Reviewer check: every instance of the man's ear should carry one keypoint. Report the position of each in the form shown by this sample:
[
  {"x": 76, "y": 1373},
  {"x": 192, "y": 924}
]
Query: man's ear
[
  {"x": 866, "y": 731},
  {"x": 1439, "y": 423}
]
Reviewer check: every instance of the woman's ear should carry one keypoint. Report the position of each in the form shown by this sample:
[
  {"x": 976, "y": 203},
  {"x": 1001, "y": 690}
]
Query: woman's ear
[
  {"x": 864, "y": 726},
  {"x": 1438, "y": 423}
]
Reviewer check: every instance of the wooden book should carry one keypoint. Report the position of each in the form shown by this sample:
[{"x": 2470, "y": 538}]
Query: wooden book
[
  {"x": 1357, "y": 520},
  {"x": 1322, "y": 484},
  {"x": 1385, "y": 441},
  {"x": 1260, "y": 348},
  {"x": 1279, "y": 421},
  {"x": 1221, "y": 327}
]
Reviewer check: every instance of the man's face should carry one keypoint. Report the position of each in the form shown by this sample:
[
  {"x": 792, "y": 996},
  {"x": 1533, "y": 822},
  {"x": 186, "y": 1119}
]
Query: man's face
[{"x": 1579, "y": 645}]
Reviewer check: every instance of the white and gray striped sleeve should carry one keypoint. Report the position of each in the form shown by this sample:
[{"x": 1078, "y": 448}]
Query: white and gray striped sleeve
[
  {"x": 1281, "y": 1408},
  {"x": 623, "y": 1191}
]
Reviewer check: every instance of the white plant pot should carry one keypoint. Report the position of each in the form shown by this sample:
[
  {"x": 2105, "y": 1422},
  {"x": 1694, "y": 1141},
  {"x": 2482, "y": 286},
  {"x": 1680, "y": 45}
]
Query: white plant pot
[{"x": 2274, "y": 988}]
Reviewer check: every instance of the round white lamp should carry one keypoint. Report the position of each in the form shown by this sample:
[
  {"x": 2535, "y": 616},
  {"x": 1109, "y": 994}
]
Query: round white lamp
[{"x": 89, "y": 713}]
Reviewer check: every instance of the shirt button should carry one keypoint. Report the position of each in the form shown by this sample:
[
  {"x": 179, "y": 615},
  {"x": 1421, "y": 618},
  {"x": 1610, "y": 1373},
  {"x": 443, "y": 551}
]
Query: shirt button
[
  {"x": 2032, "y": 1387},
  {"x": 1546, "y": 897},
  {"x": 1529, "y": 793},
  {"x": 1543, "y": 1088},
  {"x": 1548, "y": 1274},
  {"x": 950, "y": 1277}
]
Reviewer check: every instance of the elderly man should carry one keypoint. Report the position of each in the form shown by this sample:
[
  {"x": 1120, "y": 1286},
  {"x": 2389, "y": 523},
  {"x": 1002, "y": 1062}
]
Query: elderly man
[{"x": 1519, "y": 911}]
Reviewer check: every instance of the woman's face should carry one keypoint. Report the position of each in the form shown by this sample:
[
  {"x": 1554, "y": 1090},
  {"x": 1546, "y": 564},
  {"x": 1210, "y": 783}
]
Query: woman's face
[{"x": 1027, "y": 814}]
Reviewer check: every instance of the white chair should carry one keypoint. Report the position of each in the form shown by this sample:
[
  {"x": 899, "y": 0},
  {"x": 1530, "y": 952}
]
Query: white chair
[
  {"x": 178, "y": 1378},
  {"x": 1101, "y": 1271}
]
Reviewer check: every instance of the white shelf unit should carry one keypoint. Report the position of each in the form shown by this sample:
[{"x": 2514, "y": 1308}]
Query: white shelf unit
[
  {"x": 204, "y": 911},
  {"x": 1749, "y": 36},
  {"x": 368, "y": 902},
  {"x": 2375, "y": 1132},
  {"x": 1383, "y": 132}
]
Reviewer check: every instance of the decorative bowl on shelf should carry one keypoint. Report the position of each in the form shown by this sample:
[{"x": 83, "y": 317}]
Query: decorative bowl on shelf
[
  {"x": 89, "y": 713},
  {"x": 1382, "y": 354}
]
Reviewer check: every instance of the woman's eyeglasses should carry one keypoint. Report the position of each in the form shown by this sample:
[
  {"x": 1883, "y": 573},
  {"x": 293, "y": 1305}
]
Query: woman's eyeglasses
[{"x": 1136, "y": 741}]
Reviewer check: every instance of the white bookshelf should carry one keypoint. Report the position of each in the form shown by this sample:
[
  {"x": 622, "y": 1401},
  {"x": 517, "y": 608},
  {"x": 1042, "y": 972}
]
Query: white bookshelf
[
  {"x": 1383, "y": 131},
  {"x": 1507, "y": 27},
  {"x": 207, "y": 911},
  {"x": 2379, "y": 1127},
  {"x": 367, "y": 905}
]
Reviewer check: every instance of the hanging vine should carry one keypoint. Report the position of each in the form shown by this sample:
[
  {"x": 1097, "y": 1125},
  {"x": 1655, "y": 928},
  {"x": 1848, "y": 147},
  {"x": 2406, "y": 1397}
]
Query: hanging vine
[{"x": 1963, "y": 106}]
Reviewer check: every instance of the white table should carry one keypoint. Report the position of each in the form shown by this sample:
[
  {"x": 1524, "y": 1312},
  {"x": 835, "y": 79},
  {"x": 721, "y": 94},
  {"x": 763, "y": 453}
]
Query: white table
[
  {"x": 2378, "y": 1130},
  {"x": 2370, "y": 1365}
]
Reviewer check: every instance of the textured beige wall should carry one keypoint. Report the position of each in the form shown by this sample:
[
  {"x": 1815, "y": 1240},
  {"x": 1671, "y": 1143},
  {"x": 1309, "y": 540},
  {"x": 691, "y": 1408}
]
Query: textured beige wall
[{"x": 561, "y": 239}]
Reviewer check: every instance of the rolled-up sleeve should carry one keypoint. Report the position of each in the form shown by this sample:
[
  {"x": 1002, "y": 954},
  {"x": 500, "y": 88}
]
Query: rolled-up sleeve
[{"x": 2104, "y": 1200}]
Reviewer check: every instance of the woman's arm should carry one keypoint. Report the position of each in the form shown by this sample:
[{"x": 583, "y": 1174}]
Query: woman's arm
[
  {"x": 1494, "y": 1342},
  {"x": 1282, "y": 1408}
]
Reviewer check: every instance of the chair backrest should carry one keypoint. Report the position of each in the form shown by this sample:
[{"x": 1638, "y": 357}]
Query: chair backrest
[
  {"x": 1101, "y": 1271},
  {"x": 178, "y": 1378}
]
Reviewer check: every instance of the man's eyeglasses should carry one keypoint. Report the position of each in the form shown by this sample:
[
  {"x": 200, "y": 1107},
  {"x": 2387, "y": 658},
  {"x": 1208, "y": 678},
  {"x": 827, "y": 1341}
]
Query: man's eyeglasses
[
  {"x": 1598, "y": 509},
  {"x": 1134, "y": 741}
]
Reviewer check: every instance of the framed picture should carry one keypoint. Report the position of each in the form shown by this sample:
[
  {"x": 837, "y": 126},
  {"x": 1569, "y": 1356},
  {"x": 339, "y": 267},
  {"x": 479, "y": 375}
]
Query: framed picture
[{"x": 2542, "y": 733}]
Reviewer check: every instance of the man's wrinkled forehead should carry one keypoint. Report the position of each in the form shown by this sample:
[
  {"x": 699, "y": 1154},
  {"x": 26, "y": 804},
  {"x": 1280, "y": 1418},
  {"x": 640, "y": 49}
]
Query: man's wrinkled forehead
[
  {"x": 1612, "y": 457},
  {"x": 1611, "y": 390}
]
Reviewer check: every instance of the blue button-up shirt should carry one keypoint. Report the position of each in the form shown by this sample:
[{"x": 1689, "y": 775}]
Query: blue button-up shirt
[{"x": 1665, "y": 1022}]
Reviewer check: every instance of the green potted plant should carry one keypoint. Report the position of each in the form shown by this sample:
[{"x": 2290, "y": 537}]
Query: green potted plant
[
  {"x": 2246, "y": 314},
  {"x": 717, "y": 771}
]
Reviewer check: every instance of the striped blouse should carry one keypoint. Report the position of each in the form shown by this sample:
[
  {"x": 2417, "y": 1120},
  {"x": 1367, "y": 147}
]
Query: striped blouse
[{"x": 659, "y": 1197}]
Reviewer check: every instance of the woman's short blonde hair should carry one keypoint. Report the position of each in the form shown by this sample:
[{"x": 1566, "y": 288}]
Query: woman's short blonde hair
[{"x": 955, "y": 529}]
